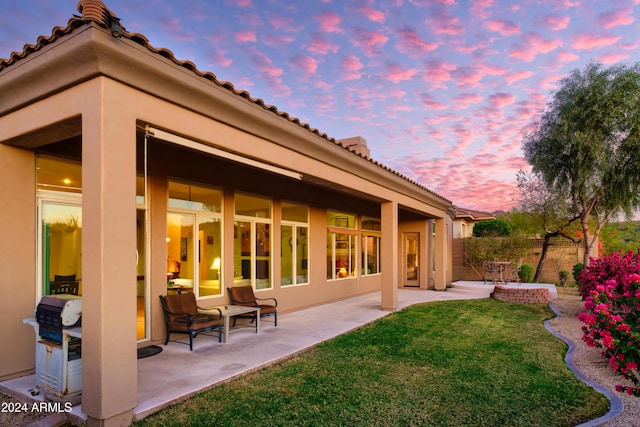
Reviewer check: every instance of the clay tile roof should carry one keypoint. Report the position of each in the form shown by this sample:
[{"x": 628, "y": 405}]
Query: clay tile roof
[
  {"x": 96, "y": 11},
  {"x": 473, "y": 215}
]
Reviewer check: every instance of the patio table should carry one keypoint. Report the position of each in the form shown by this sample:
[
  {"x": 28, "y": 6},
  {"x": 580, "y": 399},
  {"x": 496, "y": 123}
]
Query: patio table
[
  {"x": 228, "y": 311},
  {"x": 497, "y": 269}
]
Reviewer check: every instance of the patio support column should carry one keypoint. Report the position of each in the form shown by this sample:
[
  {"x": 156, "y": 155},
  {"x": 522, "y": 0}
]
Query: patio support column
[
  {"x": 109, "y": 359},
  {"x": 389, "y": 255},
  {"x": 440, "y": 247}
]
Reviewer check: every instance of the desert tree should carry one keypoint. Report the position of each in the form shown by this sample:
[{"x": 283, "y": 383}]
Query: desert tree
[
  {"x": 553, "y": 214},
  {"x": 586, "y": 145}
]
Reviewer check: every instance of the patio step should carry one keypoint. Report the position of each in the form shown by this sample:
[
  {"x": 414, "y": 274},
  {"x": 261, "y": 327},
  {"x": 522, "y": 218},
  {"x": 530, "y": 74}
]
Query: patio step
[{"x": 479, "y": 291}]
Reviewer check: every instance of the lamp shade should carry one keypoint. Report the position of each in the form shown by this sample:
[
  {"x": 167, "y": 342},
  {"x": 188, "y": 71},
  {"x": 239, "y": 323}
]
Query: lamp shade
[{"x": 216, "y": 264}]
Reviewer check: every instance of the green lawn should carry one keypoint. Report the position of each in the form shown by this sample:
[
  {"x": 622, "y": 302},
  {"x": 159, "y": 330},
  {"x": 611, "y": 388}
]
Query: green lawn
[{"x": 455, "y": 363}]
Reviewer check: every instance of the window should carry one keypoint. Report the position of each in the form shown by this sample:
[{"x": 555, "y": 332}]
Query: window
[
  {"x": 60, "y": 232},
  {"x": 252, "y": 243},
  {"x": 293, "y": 233},
  {"x": 370, "y": 246},
  {"x": 341, "y": 245},
  {"x": 194, "y": 239}
]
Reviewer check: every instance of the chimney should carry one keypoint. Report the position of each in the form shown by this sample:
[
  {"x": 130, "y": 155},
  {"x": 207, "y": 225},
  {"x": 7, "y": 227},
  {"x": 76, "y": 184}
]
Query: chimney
[{"x": 357, "y": 144}]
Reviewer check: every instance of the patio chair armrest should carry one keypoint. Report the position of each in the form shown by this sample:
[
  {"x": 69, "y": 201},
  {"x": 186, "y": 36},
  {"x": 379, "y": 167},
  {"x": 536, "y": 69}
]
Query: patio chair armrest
[
  {"x": 208, "y": 309},
  {"x": 173, "y": 313},
  {"x": 275, "y": 302}
]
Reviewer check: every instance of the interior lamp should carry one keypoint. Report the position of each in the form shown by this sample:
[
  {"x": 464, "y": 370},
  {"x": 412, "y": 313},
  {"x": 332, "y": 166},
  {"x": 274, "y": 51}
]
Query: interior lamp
[
  {"x": 173, "y": 267},
  {"x": 216, "y": 266}
]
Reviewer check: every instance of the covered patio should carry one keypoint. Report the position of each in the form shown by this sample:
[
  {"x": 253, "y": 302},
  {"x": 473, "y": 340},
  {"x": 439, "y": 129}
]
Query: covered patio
[{"x": 176, "y": 373}]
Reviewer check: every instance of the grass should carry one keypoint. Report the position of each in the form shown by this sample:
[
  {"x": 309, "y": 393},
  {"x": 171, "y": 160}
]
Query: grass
[{"x": 455, "y": 363}]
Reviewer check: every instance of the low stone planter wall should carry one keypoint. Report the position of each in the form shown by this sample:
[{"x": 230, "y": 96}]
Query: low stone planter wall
[{"x": 522, "y": 295}]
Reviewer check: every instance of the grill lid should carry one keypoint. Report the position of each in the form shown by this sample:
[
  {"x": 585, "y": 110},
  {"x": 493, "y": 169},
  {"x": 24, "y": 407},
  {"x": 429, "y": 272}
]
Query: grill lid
[{"x": 69, "y": 307}]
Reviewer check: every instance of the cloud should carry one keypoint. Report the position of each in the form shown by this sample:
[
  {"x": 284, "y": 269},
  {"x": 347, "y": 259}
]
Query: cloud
[
  {"x": 467, "y": 76},
  {"x": 411, "y": 43},
  {"x": 173, "y": 27},
  {"x": 285, "y": 23},
  {"x": 504, "y": 28},
  {"x": 247, "y": 36},
  {"x": 278, "y": 40},
  {"x": 305, "y": 63},
  {"x": 369, "y": 41},
  {"x": 329, "y": 22},
  {"x": 532, "y": 44},
  {"x": 321, "y": 45},
  {"x": 371, "y": 13},
  {"x": 438, "y": 73},
  {"x": 439, "y": 22},
  {"x": 396, "y": 73},
  {"x": 616, "y": 18},
  {"x": 511, "y": 78},
  {"x": 555, "y": 22},
  {"x": 351, "y": 67},
  {"x": 269, "y": 73},
  {"x": 582, "y": 40},
  {"x": 566, "y": 57},
  {"x": 464, "y": 100},
  {"x": 612, "y": 58},
  {"x": 217, "y": 57},
  {"x": 479, "y": 8},
  {"x": 471, "y": 76},
  {"x": 501, "y": 99},
  {"x": 241, "y": 3},
  {"x": 430, "y": 102}
]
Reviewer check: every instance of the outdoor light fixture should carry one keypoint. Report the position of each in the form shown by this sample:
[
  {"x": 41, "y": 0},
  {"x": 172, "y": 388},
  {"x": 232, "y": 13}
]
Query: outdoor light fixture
[
  {"x": 198, "y": 146},
  {"x": 116, "y": 30}
]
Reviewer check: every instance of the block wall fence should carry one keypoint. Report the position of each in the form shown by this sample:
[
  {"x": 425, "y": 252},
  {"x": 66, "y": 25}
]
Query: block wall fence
[{"x": 562, "y": 256}]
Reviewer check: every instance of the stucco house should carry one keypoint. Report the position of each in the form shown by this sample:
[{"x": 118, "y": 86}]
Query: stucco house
[
  {"x": 132, "y": 172},
  {"x": 465, "y": 219}
]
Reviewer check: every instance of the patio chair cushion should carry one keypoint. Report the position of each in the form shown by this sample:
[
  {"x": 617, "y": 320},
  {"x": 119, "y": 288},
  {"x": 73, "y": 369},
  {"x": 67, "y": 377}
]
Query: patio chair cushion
[
  {"x": 243, "y": 295},
  {"x": 182, "y": 316}
]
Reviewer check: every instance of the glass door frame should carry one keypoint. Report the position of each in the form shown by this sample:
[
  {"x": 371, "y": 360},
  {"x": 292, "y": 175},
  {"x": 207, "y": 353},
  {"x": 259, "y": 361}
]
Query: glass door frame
[
  {"x": 48, "y": 197},
  {"x": 406, "y": 282}
]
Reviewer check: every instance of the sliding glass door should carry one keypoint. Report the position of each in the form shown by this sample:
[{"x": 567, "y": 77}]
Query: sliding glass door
[{"x": 60, "y": 245}]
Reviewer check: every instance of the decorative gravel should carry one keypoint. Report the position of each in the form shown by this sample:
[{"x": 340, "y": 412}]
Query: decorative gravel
[{"x": 590, "y": 361}]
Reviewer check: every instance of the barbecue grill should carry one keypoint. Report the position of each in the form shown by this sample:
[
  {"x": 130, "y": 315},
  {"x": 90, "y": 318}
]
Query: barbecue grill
[{"x": 59, "y": 346}]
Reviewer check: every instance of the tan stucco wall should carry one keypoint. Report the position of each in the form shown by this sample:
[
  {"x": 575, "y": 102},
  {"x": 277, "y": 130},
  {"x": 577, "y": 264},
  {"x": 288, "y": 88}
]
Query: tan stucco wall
[
  {"x": 110, "y": 112},
  {"x": 18, "y": 255}
]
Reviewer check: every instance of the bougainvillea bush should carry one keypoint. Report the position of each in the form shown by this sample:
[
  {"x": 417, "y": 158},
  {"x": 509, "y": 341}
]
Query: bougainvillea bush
[
  {"x": 615, "y": 266},
  {"x": 612, "y": 317}
]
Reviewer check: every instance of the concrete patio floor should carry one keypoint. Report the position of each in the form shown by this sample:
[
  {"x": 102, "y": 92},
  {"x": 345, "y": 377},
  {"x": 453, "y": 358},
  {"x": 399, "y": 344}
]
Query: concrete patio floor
[{"x": 176, "y": 373}]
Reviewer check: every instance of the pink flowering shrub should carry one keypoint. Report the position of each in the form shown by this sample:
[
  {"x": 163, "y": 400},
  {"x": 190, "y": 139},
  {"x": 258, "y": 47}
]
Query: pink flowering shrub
[
  {"x": 612, "y": 318},
  {"x": 615, "y": 266}
]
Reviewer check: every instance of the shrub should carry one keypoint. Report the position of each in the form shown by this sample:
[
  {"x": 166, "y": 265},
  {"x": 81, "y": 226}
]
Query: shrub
[
  {"x": 526, "y": 273},
  {"x": 563, "y": 277},
  {"x": 492, "y": 228},
  {"x": 577, "y": 269},
  {"x": 613, "y": 319},
  {"x": 480, "y": 249},
  {"x": 615, "y": 266}
]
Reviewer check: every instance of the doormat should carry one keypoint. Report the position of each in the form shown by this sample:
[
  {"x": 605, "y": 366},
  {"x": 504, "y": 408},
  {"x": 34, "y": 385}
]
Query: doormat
[{"x": 148, "y": 351}]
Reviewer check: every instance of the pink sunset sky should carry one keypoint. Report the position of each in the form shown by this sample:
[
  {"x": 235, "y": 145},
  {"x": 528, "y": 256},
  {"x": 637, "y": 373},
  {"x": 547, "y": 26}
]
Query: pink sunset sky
[{"x": 442, "y": 90}]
